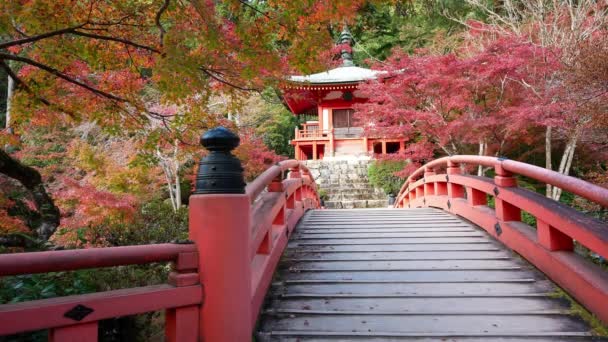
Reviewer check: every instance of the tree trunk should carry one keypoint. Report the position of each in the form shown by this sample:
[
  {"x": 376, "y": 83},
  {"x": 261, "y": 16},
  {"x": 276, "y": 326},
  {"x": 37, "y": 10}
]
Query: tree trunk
[
  {"x": 548, "y": 165},
  {"x": 170, "y": 166},
  {"x": 30, "y": 178},
  {"x": 9, "y": 95},
  {"x": 482, "y": 152},
  {"x": 178, "y": 189},
  {"x": 169, "y": 178},
  {"x": 566, "y": 162}
]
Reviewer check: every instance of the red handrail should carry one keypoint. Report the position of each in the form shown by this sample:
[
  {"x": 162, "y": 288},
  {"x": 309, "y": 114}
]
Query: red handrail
[
  {"x": 549, "y": 245},
  {"x": 180, "y": 298},
  {"x": 76, "y": 259},
  {"x": 576, "y": 186},
  {"x": 258, "y": 185}
]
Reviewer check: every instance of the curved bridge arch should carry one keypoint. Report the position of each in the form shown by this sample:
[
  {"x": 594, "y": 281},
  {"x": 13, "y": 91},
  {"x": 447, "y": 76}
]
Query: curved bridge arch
[{"x": 550, "y": 245}]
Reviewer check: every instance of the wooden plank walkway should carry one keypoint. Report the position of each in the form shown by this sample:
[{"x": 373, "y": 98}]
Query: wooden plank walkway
[{"x": 415, "y": 275}]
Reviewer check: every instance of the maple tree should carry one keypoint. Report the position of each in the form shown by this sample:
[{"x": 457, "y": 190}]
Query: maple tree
[
  {"x": 254, "y": 155},
  {"x": 450, "y": 103},
  {"x": 505, "y": 82},
  {"x": 92, "y": 59},
  {"x": 564, "y": 27},
  {"x": 146, "y": 73}
]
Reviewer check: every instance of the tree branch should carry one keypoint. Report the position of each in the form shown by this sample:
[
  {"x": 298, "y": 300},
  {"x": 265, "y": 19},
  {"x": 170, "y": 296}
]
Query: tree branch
[
  {"x": 211, "y": 74},
  {"x": 114, "y": 39},
  {"x": 61, "y": 75},
  {"x": 20, "y": 82},
  {"x": 39, "y": 37},
  {"x": 162, "y": 30}
]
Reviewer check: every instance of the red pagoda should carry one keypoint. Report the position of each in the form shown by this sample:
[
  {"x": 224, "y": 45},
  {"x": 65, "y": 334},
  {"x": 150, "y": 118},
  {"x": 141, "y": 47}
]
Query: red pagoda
[{"x": 328, "y": 97}]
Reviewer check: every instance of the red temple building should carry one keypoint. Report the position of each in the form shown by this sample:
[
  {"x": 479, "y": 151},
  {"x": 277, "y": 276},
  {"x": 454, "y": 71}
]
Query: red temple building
[{"x": 328, "y": 97}]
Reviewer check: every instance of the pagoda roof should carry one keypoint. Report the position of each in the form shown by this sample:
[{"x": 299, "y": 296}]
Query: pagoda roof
[{"x": 343, "y": 74}]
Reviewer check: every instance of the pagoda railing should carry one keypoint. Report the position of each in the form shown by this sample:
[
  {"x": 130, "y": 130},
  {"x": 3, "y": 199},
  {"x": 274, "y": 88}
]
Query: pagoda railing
[
  {"x": 303, "y": 134},
  {"x": 218, "y": 280},
  {"x": 550, "y": 245}
]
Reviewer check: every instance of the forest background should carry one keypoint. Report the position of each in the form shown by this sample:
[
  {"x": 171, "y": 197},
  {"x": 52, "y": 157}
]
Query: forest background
[{"x": 108, "y": 100}]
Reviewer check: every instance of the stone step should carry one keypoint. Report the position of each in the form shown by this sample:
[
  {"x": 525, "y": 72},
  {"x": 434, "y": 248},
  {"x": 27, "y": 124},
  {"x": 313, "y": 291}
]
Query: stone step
[
  {"x": 344, "y": 179},
  {"x": 352, "y": 197},
  {"x": 350, "y": 204},
  {"x": 344, "y": 182},
  {"x": 375, "y": 203},
  {"x": 353, "y": 190}
]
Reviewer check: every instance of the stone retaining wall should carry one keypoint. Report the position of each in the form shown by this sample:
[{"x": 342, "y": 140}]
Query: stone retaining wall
[{"x": 346, "y": 184}]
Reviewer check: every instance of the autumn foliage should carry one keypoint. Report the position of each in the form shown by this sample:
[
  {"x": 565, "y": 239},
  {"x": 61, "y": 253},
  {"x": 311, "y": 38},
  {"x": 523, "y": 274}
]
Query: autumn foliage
[{"x": 492, "y": 96}]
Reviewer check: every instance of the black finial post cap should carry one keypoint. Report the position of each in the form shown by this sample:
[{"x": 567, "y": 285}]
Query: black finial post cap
[
  {"x": 220, "y": 139},
  {"x": 220, "y": 172}
]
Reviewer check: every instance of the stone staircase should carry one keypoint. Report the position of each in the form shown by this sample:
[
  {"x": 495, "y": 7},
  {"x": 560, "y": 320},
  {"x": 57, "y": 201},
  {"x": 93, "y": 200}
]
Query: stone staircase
[{"x": 346, "y": 184}]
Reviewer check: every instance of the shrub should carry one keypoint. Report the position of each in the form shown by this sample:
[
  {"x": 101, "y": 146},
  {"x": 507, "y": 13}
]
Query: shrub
[
  {"x": 382, "y": 175},
  {"x": 322, "y": 194}
]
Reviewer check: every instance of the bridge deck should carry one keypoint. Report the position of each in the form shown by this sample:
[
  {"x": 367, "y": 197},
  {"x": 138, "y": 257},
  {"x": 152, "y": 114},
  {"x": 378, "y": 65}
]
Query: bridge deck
[{"x": 418, "y": 275}]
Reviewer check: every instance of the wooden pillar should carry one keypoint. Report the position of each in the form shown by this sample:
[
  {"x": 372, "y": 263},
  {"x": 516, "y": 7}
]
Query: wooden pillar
[
  {"x": 332, "y": 146},
  {"x": 314, "y": 150},
  {"x": 383, "y": 147},
  {"x": 401, "y": 146},
  {"x": 220, "y": 214}
]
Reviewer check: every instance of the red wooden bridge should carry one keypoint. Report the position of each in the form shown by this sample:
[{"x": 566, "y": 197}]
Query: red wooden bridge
[{"x": 441, "y": 266}]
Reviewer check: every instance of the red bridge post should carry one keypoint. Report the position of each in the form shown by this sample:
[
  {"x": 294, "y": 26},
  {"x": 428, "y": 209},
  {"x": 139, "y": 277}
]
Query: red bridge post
[
  {"x": 454, "y": 190},
  {"x": 505, "y": 211},
  {"x": 429, "y": 188},
  {"x": 219, "y": 226}
]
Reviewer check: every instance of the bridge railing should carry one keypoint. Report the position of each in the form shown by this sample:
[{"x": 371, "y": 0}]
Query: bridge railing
[
  {"x": 550, "y": 245},
  {"x": 274, "y": 217},
  {"x": 241, "y": 232},
  {"x": 218, "y": 281},
  {"x": 75, "y": 318}
]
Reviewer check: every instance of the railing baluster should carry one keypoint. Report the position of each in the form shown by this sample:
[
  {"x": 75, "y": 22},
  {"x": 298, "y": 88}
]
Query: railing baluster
[
  {"x": 182, "y": 324},
  {"x": 505, "y": 211},
  {"x": 476, "y": 197},
  {"x": 454, "y": 190},
  {"x": 441, "y": 188},
  {"x": 429, "y": 187},
  {"x": 552, "y": 239}
]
